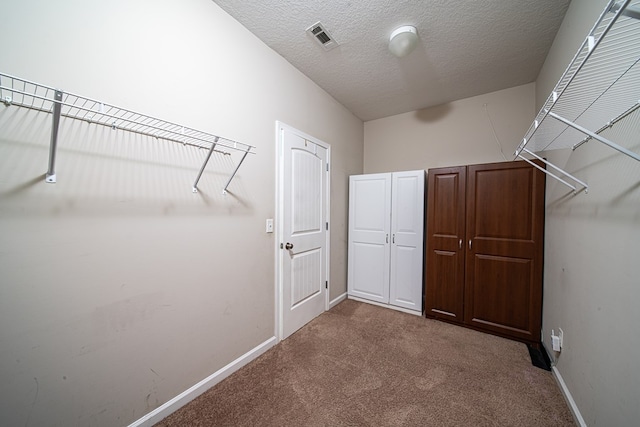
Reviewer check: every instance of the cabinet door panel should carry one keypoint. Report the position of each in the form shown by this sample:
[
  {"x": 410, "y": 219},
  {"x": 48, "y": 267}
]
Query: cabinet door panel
[
  {"x": 369, "y": 272},
  {"x": 505, "y": 217},
  {"x": 405, "y": 288},
  {"x": 369, "y": 236},
  {"x": 498, "y": 283},
  {"x": 407, "y": 237},
  {"x": 444, "y": 287},
  {"x": 444, "y": 293}
]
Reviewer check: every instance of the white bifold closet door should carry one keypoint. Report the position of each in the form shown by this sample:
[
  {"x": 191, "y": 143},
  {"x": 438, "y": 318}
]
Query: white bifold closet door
[{"x": 386, "y": 229}]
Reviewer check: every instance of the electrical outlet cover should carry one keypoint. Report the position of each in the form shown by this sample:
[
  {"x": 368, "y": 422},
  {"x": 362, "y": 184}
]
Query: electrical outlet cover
[{"x": 561, "y": 337}]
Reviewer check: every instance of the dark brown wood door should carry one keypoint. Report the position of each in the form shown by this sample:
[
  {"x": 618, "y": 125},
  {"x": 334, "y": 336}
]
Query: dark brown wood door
[
  {"x": 444, "y": 288},
  {"x": 504, "y": 243}
]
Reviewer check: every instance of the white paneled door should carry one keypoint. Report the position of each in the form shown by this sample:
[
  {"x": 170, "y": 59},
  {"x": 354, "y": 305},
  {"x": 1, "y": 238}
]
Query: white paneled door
[
  {"x": 369, "y": 236},
  {"x": 407, "y": 228},
  {"x": 303, "y": 244}
]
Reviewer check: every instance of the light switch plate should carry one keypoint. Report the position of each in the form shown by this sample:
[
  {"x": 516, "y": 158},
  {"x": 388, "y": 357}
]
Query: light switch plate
[{"x": 269, "y": 228}]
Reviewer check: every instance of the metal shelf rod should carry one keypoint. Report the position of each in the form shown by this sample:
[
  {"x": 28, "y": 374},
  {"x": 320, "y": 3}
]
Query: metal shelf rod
[
  {"x": 608, "y": 125},
  {"x": 596, "y": 136},
  {"x": 204, "y": 165},
  {"x": 224, "y": 191},
  {"x": 53, "y": 145},
  {"x": 563, "y": 172},
  {"x": 573, "y": 187}
]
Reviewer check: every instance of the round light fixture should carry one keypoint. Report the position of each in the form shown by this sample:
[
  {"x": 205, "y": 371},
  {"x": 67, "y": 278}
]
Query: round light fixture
[{"x": 403, "y": 40}]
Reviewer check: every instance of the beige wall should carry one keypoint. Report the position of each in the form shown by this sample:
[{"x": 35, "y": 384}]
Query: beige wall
[
  {"x": 482, "y": 129},
  {"x": 592, "y": 244},
  {"x": 119, "y": 288}
]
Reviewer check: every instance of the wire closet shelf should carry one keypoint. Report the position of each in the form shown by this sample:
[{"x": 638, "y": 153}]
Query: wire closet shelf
[
  {"x": 38, "y": 97},
  {"x": 600, "y": 87}
]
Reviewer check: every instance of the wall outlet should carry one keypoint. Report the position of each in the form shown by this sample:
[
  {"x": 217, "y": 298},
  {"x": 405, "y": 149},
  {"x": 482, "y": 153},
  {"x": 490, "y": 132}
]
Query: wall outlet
[
  {"x": 561, "y": 337},
  {"x": 269, "y": 226},
  {"x": 555, "y": 341}
]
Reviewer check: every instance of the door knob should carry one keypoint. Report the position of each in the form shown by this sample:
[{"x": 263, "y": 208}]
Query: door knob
[{"x": 288, "y": 246}]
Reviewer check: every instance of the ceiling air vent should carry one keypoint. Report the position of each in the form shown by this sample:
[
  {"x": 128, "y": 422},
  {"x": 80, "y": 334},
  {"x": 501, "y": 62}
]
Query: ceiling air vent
[{"x": 322, "y": 36}]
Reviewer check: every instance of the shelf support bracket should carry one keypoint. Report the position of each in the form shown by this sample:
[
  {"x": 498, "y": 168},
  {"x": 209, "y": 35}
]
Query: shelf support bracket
[
  {"x": 573, "y": 187},
  {"x": 596, "y": 136},
  {"x": 204, "y": 165},
  {"x": 224, "y": 190},
  {"x": 53, "y": 145}
]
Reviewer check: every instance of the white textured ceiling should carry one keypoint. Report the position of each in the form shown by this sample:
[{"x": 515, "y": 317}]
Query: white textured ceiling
[{"x": 466, "y": 48}]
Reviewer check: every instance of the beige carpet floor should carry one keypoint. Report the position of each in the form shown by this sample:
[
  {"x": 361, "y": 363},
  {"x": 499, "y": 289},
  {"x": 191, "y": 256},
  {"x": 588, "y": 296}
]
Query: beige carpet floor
[{"x": 363, "y": 365}]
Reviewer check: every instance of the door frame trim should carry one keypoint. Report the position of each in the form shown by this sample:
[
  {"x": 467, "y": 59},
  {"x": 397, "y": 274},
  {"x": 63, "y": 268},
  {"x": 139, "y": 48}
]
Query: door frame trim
[{"x": 279, "y": 180}]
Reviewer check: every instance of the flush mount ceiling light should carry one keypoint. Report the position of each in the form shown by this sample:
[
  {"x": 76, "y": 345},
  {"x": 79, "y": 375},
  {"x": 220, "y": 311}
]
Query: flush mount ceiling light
[{"x": 403, "y": 40}]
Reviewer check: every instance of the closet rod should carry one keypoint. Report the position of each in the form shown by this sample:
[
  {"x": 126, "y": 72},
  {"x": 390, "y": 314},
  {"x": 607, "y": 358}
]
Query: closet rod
[
  {"x": 596, "y": 136},
  {"x": 608, "y": 125}
]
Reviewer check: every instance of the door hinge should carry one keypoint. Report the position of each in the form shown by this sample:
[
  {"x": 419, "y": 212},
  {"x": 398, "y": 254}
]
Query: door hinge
[
  {"x": 326, "y": 284},
  {"x": 327, "y": 167},
  {"x": 326, "y": 225}
]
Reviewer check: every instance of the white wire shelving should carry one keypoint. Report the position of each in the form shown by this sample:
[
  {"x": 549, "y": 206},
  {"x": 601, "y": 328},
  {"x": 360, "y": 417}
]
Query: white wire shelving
[
  {"x": 15, "y": 91},
  {"x": 600, "y": 87}
]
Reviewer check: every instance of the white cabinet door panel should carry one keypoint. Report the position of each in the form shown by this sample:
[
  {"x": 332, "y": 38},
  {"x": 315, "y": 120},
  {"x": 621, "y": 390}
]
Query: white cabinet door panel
[
  {"x": 369, "y": 212},
  {"x": 370, "y": 279},
  {"x": 404, "y": 291},
  {"x": 407, "y": 230}
]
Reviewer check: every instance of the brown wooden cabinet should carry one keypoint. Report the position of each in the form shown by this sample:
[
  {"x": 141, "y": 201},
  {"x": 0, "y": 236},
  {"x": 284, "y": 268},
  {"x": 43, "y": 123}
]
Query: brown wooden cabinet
[{"x": 484, "y": 257}]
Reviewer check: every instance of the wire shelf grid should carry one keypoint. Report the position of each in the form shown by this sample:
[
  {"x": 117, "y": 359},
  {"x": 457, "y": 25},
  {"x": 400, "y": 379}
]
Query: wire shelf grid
[
  {"x": 35, "y": 96},
  {"x": 600, "y": 86}
]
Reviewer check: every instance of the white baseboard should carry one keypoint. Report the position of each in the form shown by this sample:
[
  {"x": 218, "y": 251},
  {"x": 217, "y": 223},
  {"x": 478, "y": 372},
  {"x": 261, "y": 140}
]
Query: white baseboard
[
  {"x": 187, "y": 396},
  {"x": 392, "y": 307},
  {"x": 567, "y": 396},
  {"x": 337, "y": 300}
]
